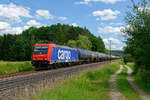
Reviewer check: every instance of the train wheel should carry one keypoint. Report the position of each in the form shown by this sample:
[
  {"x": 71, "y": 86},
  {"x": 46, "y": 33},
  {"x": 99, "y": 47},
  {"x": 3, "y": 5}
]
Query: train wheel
[
  {"x": 50, "y": 66},
  {"x": 69, "y": 64},
  {"x": 37, "y": 68},
  {"x": 54, "y": 66}
]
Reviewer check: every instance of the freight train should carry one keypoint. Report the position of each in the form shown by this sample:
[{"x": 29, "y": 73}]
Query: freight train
[{"x": 51, "y": 56}]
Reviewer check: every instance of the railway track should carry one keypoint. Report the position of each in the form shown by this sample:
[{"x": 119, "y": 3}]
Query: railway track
[
  {"x": 11, "y": 83},
  {"x": 4, "y": 76}
]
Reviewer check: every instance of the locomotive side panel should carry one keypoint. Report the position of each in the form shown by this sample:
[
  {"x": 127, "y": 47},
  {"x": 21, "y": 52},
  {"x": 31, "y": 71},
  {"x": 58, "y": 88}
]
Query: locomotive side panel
[{"x": 61, "y": 55}]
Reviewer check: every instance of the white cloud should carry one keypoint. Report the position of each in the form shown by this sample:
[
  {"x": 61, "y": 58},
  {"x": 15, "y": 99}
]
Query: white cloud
[
  {"x": 12, "y": 30},
  {"x": 114, "y": 43},
  {"x": 113, "y": 40},
  {"x": 5, "y": 28},
  {"x": 11, "y": 13},
  {"x": 116, "y": 24},
  {"x": 106, "y": 14},
  {"x": 43, "y": 14},
  {"x": 141, "y": 9},
  {"x": 110, "y": 29},
  {"x": 83, "y": 2},
  {"x": 26, "y": 27},
  {"x": 86, "y": 2},
  {"x": 120, "y": 48},
  {"x": 62, "y": 18},
  {"x": 33, "y": 23},
  {"x": 74, "y": 24},
  {"x": 4, "y": 25}
]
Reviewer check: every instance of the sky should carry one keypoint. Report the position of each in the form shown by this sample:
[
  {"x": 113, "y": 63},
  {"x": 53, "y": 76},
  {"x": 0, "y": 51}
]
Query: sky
[{"x": 104, "y": 18}]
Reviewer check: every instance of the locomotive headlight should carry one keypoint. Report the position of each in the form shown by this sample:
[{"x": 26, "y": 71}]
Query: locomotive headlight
[
  {"x": 45, "y": 58},
  {"x": 34, "y": 59}
]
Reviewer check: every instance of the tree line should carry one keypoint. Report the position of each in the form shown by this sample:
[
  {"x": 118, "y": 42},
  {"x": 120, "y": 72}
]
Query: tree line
[
  {"x": 138, "y": 38},
  {"x": 20, "y": 47}
]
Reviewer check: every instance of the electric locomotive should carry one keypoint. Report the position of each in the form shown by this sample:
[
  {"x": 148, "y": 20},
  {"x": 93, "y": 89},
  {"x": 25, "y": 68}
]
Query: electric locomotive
[{"x": 52, "y": 56}]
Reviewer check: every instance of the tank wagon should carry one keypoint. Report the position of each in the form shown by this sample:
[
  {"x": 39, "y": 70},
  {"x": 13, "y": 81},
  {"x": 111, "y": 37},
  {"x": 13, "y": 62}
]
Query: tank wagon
[{"x": 52, "y": 55}]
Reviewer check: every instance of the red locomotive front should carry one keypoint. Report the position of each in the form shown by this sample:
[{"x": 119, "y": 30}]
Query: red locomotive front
[{"x": 42, "y": 55}]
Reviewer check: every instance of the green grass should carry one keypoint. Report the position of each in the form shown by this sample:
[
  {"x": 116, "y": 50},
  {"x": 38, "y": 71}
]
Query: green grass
[
  {"x": 141, "y": 79},
  {"x": 142, "y": 82},
  {"x": 93, "y": 85},
  {"x": 131, "y": 65},
  {"x": 12, "y": 67},
  {"x": 122, "y": 62},
  {"x": 125, "y": 88}
]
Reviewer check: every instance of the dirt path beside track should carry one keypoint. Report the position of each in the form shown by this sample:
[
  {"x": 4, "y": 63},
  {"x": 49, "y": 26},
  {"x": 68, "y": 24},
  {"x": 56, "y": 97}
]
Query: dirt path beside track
[
  {"x": 114, "y": 93},
  {"x": 142, "y": 94}
]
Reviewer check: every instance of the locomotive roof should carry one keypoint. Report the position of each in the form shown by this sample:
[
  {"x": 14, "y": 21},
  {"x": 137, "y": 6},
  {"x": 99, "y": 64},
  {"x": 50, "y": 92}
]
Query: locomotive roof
[{"x": 66, "y": 47}]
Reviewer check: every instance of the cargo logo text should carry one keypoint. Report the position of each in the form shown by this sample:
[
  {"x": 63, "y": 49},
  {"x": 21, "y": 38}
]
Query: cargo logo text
[{"x": 63, "y": 55}]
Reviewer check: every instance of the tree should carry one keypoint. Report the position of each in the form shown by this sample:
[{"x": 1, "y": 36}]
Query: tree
[
  {"x": 97, "y": 44},
  {"x": 6, "y": 47},
  {"x": 1, "y": 39},
  {"x": 72, "y": 43},
  {"x": 18, "y": 50},
  {"x": 84, "y": 43},
  {"x": 20, "y": 47},
  {"x": 30, "y": 39},
  {"x": 138, "y": 35}
]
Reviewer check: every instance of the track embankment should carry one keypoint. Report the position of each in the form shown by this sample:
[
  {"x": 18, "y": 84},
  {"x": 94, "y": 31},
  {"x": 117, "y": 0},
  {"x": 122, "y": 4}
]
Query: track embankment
[{"x": 26, "y": 85}]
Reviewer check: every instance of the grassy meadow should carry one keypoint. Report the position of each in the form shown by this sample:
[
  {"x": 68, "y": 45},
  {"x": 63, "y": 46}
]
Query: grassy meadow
[
  {"x": 93, "y": 85},
  {"x": 13, "y": 67}
]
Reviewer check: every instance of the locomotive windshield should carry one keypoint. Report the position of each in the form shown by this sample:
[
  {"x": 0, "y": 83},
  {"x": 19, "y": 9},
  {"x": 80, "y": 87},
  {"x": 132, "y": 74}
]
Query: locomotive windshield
[{"x": 41, "y": 50}]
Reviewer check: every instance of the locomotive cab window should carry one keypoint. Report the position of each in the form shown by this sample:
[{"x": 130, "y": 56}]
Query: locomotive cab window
[{"x": 41, "y": 50}]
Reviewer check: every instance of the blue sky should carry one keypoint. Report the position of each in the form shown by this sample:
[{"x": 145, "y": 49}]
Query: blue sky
[{"x": 103, "y": 18}]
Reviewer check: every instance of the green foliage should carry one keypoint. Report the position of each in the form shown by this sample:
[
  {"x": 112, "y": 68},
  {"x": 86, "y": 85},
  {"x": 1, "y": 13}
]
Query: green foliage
[
  {"x": 138, "y": 43},
  {"x": 83, "y": 87},
  {"x": 138, "y": 36},
  {"x": 18, "y": 50},
  {"x": 143, "y": 81},
  {"x": 72, "y": 43},
  {"x": 127, "y": 58},
  {"x": 12, "y": 67},
  {"x": 84, "y": 43},
  {"x": 6, "y": 46},
  {"x": 1, "y": 39},
  {"x": 107, "y": 51},
  {"x": 20, "y": 47},
  {"x": 103, "y": 74},
  {"x": 97, "y": 43},
  {"x": 131, "y": 65},
  {"x": 141, "y": 78}
]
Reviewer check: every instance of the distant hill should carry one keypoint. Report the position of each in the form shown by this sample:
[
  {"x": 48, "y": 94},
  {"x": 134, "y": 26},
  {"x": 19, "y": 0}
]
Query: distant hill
[{"x": 117, "y": 52}]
